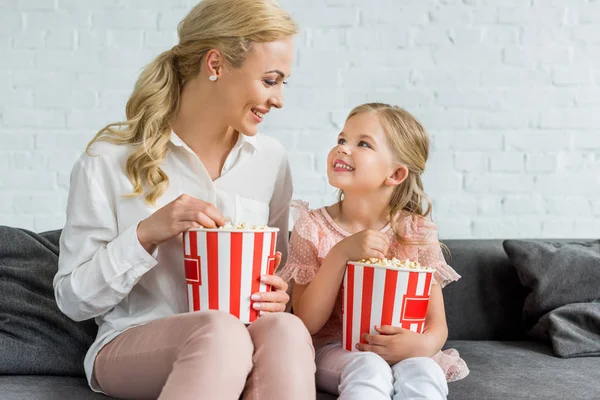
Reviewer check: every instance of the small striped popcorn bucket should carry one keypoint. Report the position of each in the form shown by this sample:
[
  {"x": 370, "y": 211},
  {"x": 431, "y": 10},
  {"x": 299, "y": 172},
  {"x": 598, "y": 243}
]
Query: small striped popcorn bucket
[
  {"x": 223, "y": 268},
  {"x": 382, "y": 295}
]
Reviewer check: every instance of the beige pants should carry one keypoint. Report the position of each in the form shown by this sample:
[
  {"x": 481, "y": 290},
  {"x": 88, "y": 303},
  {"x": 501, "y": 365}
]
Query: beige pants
[{"x": 210, "y": 355}]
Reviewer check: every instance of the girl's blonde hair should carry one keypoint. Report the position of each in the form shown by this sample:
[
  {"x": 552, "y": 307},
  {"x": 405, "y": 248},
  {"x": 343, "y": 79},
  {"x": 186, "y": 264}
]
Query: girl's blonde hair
[
  {"x": 230, "y": 26},
  {"x": 410, "y": 144}
]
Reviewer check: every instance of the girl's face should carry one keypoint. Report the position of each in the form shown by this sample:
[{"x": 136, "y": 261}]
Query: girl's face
[
  {"x": 362, "y": 161},
  {"x": 248, "y": 93}
]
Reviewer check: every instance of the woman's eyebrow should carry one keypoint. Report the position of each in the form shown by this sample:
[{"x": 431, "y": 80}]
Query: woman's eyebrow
[{"x": 278, "y": 72}]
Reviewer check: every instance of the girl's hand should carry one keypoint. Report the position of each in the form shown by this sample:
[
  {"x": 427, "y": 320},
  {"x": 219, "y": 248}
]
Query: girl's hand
[
  {"x": 274, "y": 301},
  {"x": 364, "y": 244},
  {"x": 183, "y": 213},
  {"x": 395, "y": 344}
]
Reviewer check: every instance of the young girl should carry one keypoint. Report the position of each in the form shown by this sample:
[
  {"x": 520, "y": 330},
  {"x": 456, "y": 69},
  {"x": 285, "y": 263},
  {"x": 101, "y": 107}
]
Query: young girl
[
  {"x": 377, "y": 165},
  {"x": 187, "y": 156}
]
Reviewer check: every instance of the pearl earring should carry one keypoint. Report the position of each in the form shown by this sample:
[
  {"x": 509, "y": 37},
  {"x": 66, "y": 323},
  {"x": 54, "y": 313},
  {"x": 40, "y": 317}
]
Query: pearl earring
[{"x": 212, "y": 78}]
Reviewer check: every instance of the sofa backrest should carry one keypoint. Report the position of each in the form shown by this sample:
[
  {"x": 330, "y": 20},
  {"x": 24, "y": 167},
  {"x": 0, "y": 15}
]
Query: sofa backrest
[{"x": 487, "y": 302}]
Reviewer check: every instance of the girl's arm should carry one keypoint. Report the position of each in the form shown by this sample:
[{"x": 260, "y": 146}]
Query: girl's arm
[
  {"x": 313, "y": 302},
  {"x": 436, "y": 329}
]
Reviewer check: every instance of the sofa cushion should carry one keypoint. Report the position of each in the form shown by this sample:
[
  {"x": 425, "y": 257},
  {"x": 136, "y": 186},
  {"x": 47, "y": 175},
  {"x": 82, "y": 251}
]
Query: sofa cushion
[
  {"x": 35, "y": 336},
  {"x": 522, "y": 370},
  {"x": 555, "y": 274},
  {"x": 46, "y": 388}
]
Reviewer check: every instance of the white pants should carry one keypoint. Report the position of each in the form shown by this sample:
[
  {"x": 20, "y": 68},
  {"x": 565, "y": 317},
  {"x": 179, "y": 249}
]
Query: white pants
[{"x": 365, "y": 375}]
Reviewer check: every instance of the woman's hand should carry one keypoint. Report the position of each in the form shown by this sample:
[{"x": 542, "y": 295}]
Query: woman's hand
[
  {"x": 364, "y": 244},
  {"x": 183, "y": 213},
  {"x": 395, "y": 344},
  {"x": 276, "y": 300}
]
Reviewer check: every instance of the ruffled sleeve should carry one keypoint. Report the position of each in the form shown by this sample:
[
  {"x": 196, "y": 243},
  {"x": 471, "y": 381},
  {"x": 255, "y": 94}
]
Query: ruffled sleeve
[
  {"x": 427, "y": 249},
  {"x": 303, "y": 261}
]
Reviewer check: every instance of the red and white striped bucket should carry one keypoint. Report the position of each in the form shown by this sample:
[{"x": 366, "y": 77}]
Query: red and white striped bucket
[
  {"x": 382, "y": 295},
  {"x": 223, "y": 268}
]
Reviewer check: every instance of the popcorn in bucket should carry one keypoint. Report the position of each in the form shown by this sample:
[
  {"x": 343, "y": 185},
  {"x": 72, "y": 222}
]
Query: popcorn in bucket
[
  {"x": 383, "y": 292},
  {"x": 223, "y": 267}
]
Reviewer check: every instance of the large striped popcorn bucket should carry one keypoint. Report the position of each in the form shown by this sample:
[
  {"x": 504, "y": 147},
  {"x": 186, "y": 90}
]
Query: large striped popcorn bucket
[
  {"x": 382, "y": 295},
  {"x": 223, "y": 268}
]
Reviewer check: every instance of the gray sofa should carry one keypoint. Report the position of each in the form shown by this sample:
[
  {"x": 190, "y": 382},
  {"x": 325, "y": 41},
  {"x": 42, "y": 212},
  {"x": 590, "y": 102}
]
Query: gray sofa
[{"x": 41, "y": 351}]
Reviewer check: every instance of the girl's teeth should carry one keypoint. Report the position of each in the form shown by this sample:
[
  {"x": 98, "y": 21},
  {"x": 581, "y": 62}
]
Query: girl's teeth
[
  {"x": 258, "y": 113},
  {"x": 343, "y": 166}
]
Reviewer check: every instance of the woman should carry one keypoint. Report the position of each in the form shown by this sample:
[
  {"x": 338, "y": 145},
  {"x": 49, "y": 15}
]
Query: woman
[{"x": 187, "y": 156}]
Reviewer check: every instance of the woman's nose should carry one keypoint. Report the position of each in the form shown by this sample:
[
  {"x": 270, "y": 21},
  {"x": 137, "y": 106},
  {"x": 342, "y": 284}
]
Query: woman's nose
[{"x": 276, "y": 100}]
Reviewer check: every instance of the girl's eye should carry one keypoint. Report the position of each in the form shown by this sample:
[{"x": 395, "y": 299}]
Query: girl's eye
[
  {"x": 364, "y": 144},
  {"x": 341, "y": 141}
]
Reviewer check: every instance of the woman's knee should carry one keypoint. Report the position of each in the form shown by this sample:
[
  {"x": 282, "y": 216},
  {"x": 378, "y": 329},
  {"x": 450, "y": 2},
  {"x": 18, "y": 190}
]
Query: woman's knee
[
  {"x": 221, "y": 331},
  {"x": 280, "y": 326}
]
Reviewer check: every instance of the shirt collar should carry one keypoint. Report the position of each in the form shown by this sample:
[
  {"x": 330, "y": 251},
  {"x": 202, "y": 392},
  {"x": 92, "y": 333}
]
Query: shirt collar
[{"x": 242, "y": 140}]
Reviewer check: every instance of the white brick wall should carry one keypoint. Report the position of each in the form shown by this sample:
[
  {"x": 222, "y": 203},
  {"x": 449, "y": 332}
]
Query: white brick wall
[{"x": 507, "y": 88}]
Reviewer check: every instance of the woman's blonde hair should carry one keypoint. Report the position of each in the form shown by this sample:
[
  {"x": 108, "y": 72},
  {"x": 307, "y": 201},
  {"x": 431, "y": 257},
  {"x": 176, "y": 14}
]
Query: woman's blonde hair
[
  {"x": 410, "y": 145},
  {"x": 230, "y": 26}
]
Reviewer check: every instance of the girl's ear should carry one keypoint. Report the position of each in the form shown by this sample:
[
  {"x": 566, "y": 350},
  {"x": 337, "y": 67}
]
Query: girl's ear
[{"x": 398, "y": 176}]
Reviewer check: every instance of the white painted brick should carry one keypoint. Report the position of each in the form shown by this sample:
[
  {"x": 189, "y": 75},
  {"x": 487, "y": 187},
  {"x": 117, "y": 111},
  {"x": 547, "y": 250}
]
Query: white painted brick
[
  {"x": 384, "y": 78},
  {"x": 328, "y": 38},
  {"x": 108, "y": 79},
  {"x": 523, "y": 205},
  {"x": 590, "y": 13},
  {"x": 91, "y": 39},
  {"x": 63, "y": 180},
  {"x": 168, "y": 20},
  {"x": 490, "y": 205},
  {"x": 441, "y": 183},
  {"x": 580, "y": 118},
  {"x": 565, "y": 76},
  {"x": 48, "y": 223},
  {"x": 501, "y": 35},
  {"x": 405, "y": 98},
  {"x": 471, "y": 161},
  {"x": 507, "y": 162},
  {"x": 16, "y": 140},
  {"x": 455, "y": 228},
  {"x": 161, "y": 40},
  {"x": 50, "y": 20},
  {"x": 28, "y": 40},
  {"x": 17, "y": 221},
  {"x": 16, "y": 98},
  {"x": 537, "y": 141},
  {"x": 415, "y": 14},
  {"x": 439, "y": 161},
  {"x": 27, "y": 160},
  {"x": 94, "y": 118},
  {"x": 432, "y": 35},
  {"x": 157, "y": 4},
  {"x": 451, "y": 15},
  {"x": 517, "y": 119},
  {"x": 578, "y": 162},
  {"x": 31, "y": 204},
  {"x": 536, "y": 35},
  {"x": 444, "y": 77},
  {"x": 65, "y": 99},
  {"x": 535, "y": 97},
  {"x": 467, "y": 98},
  {"x": 125, "y": 39},
  {"x": 28, "y": 180},
  {"x": 528, "y": 15},
  {"x": 498, "y": 183},
  {"x": 465, "y": 36},
  {"x": 124, "y": 19},
  {"x": 7, "y": 204},
  {"x": 587, "y": 228},
  {"x": 310, "y": 183},
  {"x": 507, "y": 227},
  {"x": 586, "y": 140},
  {"x": 113, "y": 99},
  {"x": 596, "y": 206},
  {"x": 454, "y": 205},
  {"x": 568, "y": 205},
  {"x": 565, "y": 183},
  {"x": 27, "y": 5},
  {"x": 51, "y": 141},
  {"x": 432, "y": 118},
  {"x": 29, "y": 79},
  {"x": 34, "y": 118},
  {"x": 468, "y": 141},
  {"x": 510, "y": 76},
  {"x": 383, "y": 37},
  {"x": 66, "y": 60},
  {"x": 16, "y": 59},
  {"x": 10, "y": 21},
  {"x": 558, "y": 228},
  {"x": 133, "y": 58},
  {"x": 88, "y": 4},
  {"x": 60, "y": 39},
  {"x": 541, "y": 163},
  {"x": 473, "y": 56},
  {"x": 528, "y": 56},
  {"x": 415, "y": 58},
  {"x": 288, "y": 138}
]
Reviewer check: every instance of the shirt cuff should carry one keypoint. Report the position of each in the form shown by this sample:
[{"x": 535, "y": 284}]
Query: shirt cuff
[{"x": 128, "y": 250}]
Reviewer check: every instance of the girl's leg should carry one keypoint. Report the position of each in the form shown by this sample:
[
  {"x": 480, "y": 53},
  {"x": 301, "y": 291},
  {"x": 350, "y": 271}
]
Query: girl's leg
[
  {"x": 354, "y": 375},
  {"x": 204, "y": 355},
  {"x": 419, "y": 378},
  {"x": 284, "y": 360}
]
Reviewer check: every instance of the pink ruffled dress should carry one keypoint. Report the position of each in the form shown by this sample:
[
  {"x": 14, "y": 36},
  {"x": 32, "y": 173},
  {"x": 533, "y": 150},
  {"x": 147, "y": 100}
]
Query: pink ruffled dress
[{"x": 315, "y": 233}]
